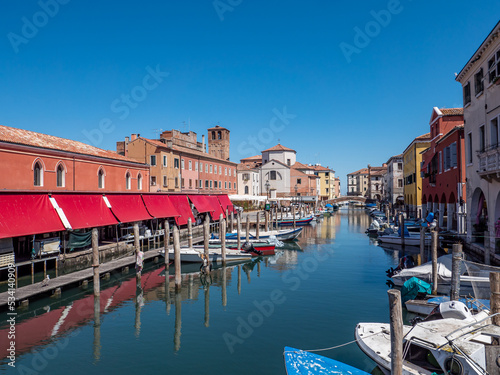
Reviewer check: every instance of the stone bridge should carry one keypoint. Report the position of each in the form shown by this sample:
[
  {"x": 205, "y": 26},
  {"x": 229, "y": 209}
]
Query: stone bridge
[{"x": 347, "y": 198}]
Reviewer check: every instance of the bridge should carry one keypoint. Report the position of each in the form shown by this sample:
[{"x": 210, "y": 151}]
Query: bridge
[{"x": 347, "y": 198}]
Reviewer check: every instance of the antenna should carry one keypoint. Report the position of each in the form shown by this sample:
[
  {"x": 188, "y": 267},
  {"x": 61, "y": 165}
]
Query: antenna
[{"x": 157, "y": 132}]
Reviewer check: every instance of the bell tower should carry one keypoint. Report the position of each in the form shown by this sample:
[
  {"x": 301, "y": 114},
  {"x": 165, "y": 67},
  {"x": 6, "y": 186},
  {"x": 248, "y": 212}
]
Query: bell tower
[{"x": 218, "y": 142}]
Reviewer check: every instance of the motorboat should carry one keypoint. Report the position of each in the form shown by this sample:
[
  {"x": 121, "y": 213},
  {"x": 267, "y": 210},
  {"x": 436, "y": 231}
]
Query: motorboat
[
  {"x": 298, "y": 221},
  {"x": 281, "y": 234},
  {"x": 409, "y": 239},
  {"x": 196, "y": 255}
]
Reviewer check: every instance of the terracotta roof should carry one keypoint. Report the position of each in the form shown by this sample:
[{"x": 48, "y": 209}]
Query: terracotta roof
[
  {"x": 279, "y": 147},
  {"x": 188, "y": 150},
  {"x": 152, "y": 141},
  {"x": 361, "y": 171},
  {"x": 378, "y": 172},
  {"x": 244, "y": 167},
  {"x": 299, "y": 165},
  {"x": 217, "y": 127},
  {"x": 423, "y": 137},
  {"x": 253, "y": 158},
  {"x": 452, "y": 111},
  {"x": 320, "y": 168},
  {"x": 30, "y": 138}
]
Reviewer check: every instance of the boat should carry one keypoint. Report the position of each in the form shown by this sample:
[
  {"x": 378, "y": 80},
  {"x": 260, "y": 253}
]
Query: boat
[
  {"x": 194, "y": 255},
  {"x": 298, "y": 221},
  {"x": 282, "y": 234},
  {"x": 448, "y": 344},
  {"x": 409, "y": 240},
  {"x": 474, "y": 277},
  {"x": 427, "y": 305},
  {"x": 300, "y": 362},
  {"x": 260, "y": 248}
]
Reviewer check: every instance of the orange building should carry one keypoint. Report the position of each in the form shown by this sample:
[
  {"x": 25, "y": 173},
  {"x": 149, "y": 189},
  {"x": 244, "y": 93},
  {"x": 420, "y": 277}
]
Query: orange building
[{"x": 36, "y": 161}]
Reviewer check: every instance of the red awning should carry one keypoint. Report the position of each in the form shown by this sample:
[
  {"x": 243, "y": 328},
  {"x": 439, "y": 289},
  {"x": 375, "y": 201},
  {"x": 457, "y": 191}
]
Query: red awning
[
  {"x": 27, "y": 214},
  {"x": 85, "y": 210},
  {"x": 182, "y": 206},
  {"x": 214, "y": 203},
  {"x": 160, "y": 206},
  {"x": 128, "y": 208},
  {"x": 226, "y": 203},
  {"x": 201, "y": 203}
]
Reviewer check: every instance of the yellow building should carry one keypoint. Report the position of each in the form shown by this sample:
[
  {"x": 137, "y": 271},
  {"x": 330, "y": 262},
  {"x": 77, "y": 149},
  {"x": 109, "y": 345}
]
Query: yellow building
[
  {"x": 412, "y": 159},
  {"x": 327, "y": 183}
]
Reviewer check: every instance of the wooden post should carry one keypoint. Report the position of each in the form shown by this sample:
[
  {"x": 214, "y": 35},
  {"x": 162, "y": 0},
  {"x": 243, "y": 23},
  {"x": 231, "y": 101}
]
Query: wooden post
[
  {"x": 266, "y": 220},
  {"x": 247, "y": 228},
  {"x": 402, "y": 229},
  {"x": 206, "y": 238},
  {"x": 396, "y": 332},
  {"x": 455, "y": 271},
  {"x": 45, "y": 269},
  {"x": 281, "y": 212},
  {"x": 257, "y": 227},
  {"x": 495, "y": 296},
  {"x": 177, "y": 258},
  {"x": 422, "y": 245},
  {"x": 222, "y": 236},
  {"x": 434, "y": 237},
  {"x": 190, "y": 233},
  {"x": 32, "y": 272},
  {"x": 57, "y": 264},
  {"x": 238, "y": 230},
  {"x": 293, "y": 217},
  {"x": 165, "y": 244},
  {"x": 137, "y": 247},
  {"x": 95, "y": 261},
  {"x": 232, "y": 221}
]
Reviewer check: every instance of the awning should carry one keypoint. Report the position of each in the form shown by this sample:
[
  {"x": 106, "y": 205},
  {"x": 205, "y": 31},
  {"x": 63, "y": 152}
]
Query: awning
[
  {"x": 27, "y": 214},
  {"x": 201, "y": 203},
  {"x": 85, "y": 210},
  {"x": 214, "y": 203},
  {"x": 160, "y": 206},
  {"x": 128, "y": 208},
  {"x": 182, "y": 206},
  {"x": 226, "y": 203}
]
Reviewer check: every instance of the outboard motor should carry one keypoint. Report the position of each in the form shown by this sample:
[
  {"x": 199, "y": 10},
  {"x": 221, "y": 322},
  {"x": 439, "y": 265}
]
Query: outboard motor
[
  {"x": 247, "y": 247},
  {"x": 454, "y": 309}
]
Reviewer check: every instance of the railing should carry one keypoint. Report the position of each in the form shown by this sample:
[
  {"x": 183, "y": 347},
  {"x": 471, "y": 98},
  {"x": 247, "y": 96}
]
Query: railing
[{"x": 489, "y": 160}]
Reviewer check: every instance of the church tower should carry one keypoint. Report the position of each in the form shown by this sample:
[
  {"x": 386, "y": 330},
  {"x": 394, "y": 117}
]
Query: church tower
[{"x": 218, "y": 142}]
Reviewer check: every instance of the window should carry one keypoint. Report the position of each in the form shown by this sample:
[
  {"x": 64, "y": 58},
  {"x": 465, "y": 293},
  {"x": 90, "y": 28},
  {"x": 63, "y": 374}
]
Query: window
[
  {"x": 139, "y": 181},
  {"x": 182, "y": 183},
  {"x": 60, "y": 180},
  {"x": 326, "y": 190},
  {"x": 206, "y": 168},
  {"x": 246, "y": 189},
  {"x": 213, "y": 135},
  {"x": 201, "y": 184},
  {"x": 466, "y": 90},
  {"x": 478, "y": 82},
  {"x": 400, "y": 166},
  {"x": 440, "y": 162},
  {"x": 494, "y": 132},
  {"x": 400, "y": 182},
  {"x": 220, "y": 184},
  {"x": 190, "y": 165},
  {"x": 230, "y": 172},
  {"x": 225, "y": 171},
  {"x": 182, "y": 163},
  {"x": 128, "y": 181},
  {"x": 38, "y": 174},
  {"x": 165, "y": 181},
  {"x": 288, "y": 162},
  {"x": 176, "y": 163},
  {"x": 206, "y": 184},
  {"x": 219, "y": 135},
  {"x": 100, "y": 178},
  {"x": 211, "y": 184},
  {"x": 211, "y": 168},
  {"x": 196, "y": 166},
  {"x": 176, "y": 182},
  {"x": 234, "y": 185},
  {"x": 469, "y": 148},
  {"x": 447, "y": 158},
  {"x": 152, "y": 160},
  {"x": 220, "y": 169},
  {"x": 190, "y": 183},
  {"x": 453, "y": 155},
  {"x": 494, "y": 66},
  {"x": 164, "y": 160},
  {"x": 153, "y": 180},
  {"x": 225, "y": 185},
  {"x": 272, "y": 175},
  {"x": 299, "y": 180},
  {"x": 481, "y": 139}
]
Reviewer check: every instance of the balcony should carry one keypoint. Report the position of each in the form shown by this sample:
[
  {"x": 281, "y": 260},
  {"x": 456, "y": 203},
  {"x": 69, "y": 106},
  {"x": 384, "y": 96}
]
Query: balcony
[{"x": 489, "y": 163}]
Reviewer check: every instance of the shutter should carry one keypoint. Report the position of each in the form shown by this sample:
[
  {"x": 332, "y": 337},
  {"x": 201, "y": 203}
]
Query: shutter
[{"x": 454, "y": 162}]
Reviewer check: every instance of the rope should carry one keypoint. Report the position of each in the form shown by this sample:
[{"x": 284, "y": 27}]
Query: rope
[{"x": 341, "y": 345}]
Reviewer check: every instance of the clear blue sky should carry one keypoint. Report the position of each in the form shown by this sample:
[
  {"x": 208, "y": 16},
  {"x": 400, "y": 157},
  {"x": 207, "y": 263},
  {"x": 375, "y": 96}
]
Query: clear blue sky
[{"x": 97, "y": 71}]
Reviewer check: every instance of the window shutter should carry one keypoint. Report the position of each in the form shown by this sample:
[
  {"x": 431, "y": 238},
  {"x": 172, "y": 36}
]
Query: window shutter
[{"x": 454, "y": 162}]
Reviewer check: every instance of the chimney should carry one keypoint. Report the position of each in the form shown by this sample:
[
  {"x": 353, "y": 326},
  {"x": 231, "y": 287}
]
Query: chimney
[
  {"x": 203, "y": 142},
  {"x": 127, "y": 140},
  {"x": 134, "y": 137}
]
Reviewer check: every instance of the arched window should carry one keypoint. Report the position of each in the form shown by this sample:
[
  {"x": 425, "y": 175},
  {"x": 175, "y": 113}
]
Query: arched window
[
  {"x": 139, "y": 181},
  {"x": 246, "y": 189},
  {"x": 219, "y": 135},
  {"x": 38, "y": 174},
  {"x": 60, "y": 176},
  {"x": 127, "y": 181},
  {"x": 101, "y": 178}
]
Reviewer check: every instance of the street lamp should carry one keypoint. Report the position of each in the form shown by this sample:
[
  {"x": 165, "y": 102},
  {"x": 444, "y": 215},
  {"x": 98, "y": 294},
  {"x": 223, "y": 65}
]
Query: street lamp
[{"x": 267, "y": 185}]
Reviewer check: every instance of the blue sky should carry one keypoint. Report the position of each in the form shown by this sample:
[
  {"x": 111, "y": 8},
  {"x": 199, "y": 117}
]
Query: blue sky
[{"x": 345, "y": 84}]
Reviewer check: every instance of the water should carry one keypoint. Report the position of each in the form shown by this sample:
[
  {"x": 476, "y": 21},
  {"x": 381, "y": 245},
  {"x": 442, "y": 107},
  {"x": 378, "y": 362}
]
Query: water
[{"x": 309, "y": 296}]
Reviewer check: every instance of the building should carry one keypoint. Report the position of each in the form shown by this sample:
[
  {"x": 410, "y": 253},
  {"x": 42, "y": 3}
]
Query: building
[
  {"x": 36, "y": 161},
  {"x": 329, "y": 186},
  {"x": 179, "y": 163},
  {"x": 412, "y": 158},
  {"x": 480, "y": 80},
  {"x": 275, "y": 179},
  {"x": 376, "y": 177},
  {"x": 218, "y": 142},
  {"x": 280, "y": 153},
  {"x": 336, "y": 187},
  {"x": 394, "y": 193},
  {"x": 304, "y": 182},
  {"x": 248, "y": 180},
  {"x": 357, "y": 183},
  {"x": 443, "y": 169},
  {"x": 252, "y": 161}
]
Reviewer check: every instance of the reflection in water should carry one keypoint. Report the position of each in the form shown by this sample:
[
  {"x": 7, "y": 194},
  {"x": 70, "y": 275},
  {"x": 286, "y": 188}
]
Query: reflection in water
[
  {"x": 178, "y": 321},
  {"x": 224, "y": 286},
  {"x": 207, "y": 304},
  {"x": 239, "y": 279},
  {"x": 139, "y": 302},
  {"x": 97, "y": 330}
]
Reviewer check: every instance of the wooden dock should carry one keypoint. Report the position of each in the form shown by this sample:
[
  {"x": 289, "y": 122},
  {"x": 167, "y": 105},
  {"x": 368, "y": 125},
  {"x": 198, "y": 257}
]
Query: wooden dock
[{"x": 76, "y": 278}]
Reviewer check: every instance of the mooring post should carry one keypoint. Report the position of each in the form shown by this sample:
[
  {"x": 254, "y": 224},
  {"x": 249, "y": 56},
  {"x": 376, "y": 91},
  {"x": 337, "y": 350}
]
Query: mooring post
[
  {"x": 190, "y": 233},
  {"x": 281, "y": 213},
  {"x": 257, "y": 227},
  {"x": 396, "y": 313},
  {"x": 495, "y": 296},
  {"x": 238, "y": 230},
  {"x": 138, "y": 251},
  {"x": 455, "y": 271},
  {"x": 95, "y": 261},
  {"x": 434, "y": 237},
  {"x": 247, "y": 228},
  {"x": 402, "y": 229},
  {"x": 206, "y": 239},
  {"x": 293, "y": 216},
  {"x": 222, "y": 236},
  {"x": 422, "y": 245},
  {"x": 232, "y": 221},
  {"x": 266, "y": 220},
  {"x": 177, "y": 258}
]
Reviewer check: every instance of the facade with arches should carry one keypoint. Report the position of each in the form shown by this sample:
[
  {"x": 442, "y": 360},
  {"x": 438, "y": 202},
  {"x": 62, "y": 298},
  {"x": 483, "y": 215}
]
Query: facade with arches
[{"x": 35, "y": 161}]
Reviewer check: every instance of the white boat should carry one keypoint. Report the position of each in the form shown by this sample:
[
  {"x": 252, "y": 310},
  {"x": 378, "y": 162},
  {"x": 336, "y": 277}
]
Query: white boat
[
  {"x": 477, "y": 284},
  {"x": 194, "y": 255},
  {"x": 450, "y": 345},
  {"x": 282, "y": 234},
  {"x": 410, "y": 240}
]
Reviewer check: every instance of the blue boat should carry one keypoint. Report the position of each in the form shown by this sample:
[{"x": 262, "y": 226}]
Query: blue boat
[{"x": 301, "y": 362}]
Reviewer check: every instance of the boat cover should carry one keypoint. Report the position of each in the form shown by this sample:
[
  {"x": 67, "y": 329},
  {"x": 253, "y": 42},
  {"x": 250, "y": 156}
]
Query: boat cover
[{"x": 413, "y": 287}]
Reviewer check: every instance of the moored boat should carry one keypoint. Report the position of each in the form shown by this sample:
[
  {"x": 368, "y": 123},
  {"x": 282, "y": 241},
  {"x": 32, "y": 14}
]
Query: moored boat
[
  {"x": 195, "y": 255},
  {"x": 298, "y": 221},
  {"x": 282, "y": 234}
]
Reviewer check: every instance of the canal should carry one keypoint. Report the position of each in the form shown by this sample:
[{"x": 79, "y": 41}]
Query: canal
[{"x": 310, "y": 295}]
